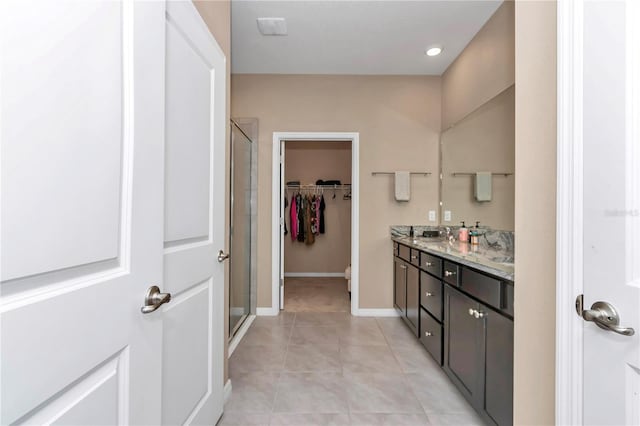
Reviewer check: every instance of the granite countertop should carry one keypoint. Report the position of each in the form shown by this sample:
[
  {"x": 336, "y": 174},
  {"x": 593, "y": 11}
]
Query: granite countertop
[{"x": 497, "y": 262}]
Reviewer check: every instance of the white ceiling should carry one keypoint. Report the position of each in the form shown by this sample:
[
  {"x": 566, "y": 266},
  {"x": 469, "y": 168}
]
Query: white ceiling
[{"x": 354, "y": 37}]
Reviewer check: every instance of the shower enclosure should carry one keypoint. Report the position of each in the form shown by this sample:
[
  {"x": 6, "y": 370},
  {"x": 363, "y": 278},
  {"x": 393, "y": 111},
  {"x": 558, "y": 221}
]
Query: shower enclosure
[{"x": 242, "y": 294}]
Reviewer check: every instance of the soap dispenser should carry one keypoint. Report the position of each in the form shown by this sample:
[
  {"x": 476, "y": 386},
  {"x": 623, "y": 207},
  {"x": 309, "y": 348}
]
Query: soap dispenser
[{"x": 463, "y": 233}]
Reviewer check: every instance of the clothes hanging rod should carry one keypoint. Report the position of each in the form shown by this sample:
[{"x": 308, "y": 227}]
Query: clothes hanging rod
[
  {"x": 393, "y": 173},
  {"x": 341, "y": 186},
  {"x": 505, "y": 174}
]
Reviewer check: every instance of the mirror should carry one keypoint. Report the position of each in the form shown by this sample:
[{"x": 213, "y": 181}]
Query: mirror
[{"x": 483, "y": 141}]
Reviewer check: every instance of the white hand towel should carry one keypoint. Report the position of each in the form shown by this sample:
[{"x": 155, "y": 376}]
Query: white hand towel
[
  {"x": 403, "y": 186},
  {"x": 482, "y": 187}
]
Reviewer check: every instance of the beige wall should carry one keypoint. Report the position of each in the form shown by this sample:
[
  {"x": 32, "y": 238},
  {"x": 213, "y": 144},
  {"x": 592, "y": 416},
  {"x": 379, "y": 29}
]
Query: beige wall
[
  {"x": 534, "y": 395},
  {"x": 398, "y": 118},
  {"x": 217, "y": 16},
  {"x": 483, "y": 141},
  {"x": 307, "y": 162},
  {"x": 484, "y": 69}
]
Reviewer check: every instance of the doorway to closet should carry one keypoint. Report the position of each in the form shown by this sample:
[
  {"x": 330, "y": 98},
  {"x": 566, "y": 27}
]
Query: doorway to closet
[
  {"x": 316, "y": 198},
  {"x": 317, "y": 228}
]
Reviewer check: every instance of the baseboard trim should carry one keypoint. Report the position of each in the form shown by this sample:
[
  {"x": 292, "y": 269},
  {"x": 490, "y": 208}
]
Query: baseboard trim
[
  {"x": 267, "y": 312},
  {"x": 388, "y": 312},
  {"x": 235, "y": 341},
  {"x": 314, "y": 274},
  {"x": 227, "y": 390}
]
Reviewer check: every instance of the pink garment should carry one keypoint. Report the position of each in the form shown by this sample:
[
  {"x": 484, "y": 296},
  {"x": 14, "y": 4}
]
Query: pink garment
[{"x": 294, "y": 219}]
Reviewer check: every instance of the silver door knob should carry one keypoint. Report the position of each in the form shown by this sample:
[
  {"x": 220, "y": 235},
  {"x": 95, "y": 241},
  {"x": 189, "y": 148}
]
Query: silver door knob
[
  {"x": 427, "y": 334},
  {"x": 222, "y": 256},
  {"x": 471, "y": 311},
  {"x": 606, "y": 317},
  {"x": 448, "y": 273},
  {"x": 429, "y": 264},
  {"x": 428, "y": 294},
  {"x": 154, "y": 299},
  {"x": 479, "y": 314}
]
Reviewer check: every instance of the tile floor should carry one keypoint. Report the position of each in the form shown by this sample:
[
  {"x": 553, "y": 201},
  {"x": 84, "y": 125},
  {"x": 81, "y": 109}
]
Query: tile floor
[
  {"x": 316, "y": 295},
  {"x": 311, "y": 368}
]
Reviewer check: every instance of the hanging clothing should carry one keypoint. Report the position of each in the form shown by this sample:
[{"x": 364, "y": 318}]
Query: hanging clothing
[
  {"x": 301, "y": 205},
  {"x": 293, "y": 217},
  {"x": 321, "y": 213},
  {"x": 309, "y": 237},
  {"x": 313, "y": 214}
]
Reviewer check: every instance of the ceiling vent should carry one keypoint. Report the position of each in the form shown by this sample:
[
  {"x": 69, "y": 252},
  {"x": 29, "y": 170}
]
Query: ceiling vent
[{"x": 272, "y": 26}]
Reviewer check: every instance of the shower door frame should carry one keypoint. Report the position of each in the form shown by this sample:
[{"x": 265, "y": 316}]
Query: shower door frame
[{"x": 249, "y": 127}]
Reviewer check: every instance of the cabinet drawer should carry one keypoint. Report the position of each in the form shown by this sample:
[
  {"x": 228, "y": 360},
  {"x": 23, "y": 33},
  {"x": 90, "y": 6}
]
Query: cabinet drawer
[
  {"x": 481, "y": 286},
  {"x": 415, "y": 257},
  {"x": 431, "y": 335},
  {"x": 404, "y": 252},
  {"x": 431, "y": 295},
  {"x": 431, "y": 264},
  {"x": 451, "y": 273}
]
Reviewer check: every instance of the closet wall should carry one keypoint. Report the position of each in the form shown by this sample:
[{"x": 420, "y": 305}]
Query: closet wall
[{"x": 331, "y": 252}]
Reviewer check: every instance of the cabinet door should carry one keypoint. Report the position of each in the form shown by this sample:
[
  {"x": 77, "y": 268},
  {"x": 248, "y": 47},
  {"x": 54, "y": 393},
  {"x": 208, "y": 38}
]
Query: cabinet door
[
  {"x": 399, "y": 285},
  {"x": 413, "y": 298},
  {"x": 499, "y": 368},
  {"x": 463, "y": 345}
]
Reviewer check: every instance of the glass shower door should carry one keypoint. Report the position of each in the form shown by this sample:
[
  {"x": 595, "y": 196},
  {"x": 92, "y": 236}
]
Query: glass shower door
[{"x": 240, "y": 232}]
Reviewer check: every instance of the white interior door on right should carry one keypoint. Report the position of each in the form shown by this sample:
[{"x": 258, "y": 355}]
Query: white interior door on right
[
  {"x": 611, "y": 237},
  {"x": 194, "y": 220}
]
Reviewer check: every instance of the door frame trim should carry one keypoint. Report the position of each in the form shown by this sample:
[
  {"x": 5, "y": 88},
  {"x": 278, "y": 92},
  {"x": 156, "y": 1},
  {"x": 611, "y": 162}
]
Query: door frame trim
[
  {"x": 569, "y": 222},
  {"x": 278, "y": 137}
]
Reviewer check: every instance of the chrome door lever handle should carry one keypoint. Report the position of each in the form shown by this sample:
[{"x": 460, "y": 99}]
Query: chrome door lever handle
[
  {"x": 154, "y": 299},
  {"x": 222, "y": 256},
  {"x": 605, "y": 316}
]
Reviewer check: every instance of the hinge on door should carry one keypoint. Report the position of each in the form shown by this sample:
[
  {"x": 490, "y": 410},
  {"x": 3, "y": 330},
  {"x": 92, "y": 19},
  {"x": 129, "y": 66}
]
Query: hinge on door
[{"x": 579, "y": 304}]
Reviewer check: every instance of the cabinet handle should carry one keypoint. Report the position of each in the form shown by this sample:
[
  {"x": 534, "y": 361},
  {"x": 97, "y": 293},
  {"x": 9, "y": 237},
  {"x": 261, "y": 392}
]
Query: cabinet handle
[
  {"x": 449, "y": 273},
  {"x": 479, "y": 314},
  {"x": 414, "y": 257},
  {"x": 428, "y": 264},
  {"x": 472, "y": 311},
  {"x": 403, "y": 267},
  {"x": 427, "y": 334},
  {"x": 429, "y": 294}
]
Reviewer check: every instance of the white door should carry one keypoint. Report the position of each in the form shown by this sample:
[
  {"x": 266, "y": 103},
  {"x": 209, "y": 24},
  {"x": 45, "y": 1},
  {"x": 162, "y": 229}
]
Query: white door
[
  {"x": 611, "y": 247},
  {"x": 194, "y": 206},
  {"x": 82, "y": 125},
  {"x": 283, "y": 218}
]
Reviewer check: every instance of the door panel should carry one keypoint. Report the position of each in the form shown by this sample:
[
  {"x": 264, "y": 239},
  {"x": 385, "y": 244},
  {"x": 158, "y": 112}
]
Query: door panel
[
  {"x": 611, "y": 247},
  {"x": 413, "y": 297},
  {"x": 63, "y": 224},
  {"x": 188, "y": 150},
  {"x": 463, "y": 332},
  {"x": 82, "y": 95},
  {"x": 499, "y": 368},
  {"x": 194, "y": 223},
  {"x": 399, "y": 285},
  {"x": 186, "y": 337}
]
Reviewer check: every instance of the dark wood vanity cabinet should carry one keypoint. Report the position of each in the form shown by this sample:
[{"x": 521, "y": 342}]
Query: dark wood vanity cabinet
[
  {"x": 400, "y": 285},
  {"x": 406, "y": 292},
  {"x": 478, "y": 355},
  {"x": 464, "y": 319}
]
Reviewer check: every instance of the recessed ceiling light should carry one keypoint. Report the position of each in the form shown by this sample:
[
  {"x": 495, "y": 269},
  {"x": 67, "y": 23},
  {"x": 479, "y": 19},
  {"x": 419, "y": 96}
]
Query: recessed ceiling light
[
  {"x": 434, "y": 51},
  {"x": 272, "y": 26}
]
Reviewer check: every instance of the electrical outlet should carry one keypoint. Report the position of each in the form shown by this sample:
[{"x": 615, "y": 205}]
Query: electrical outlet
[
  {"x": 447, "y": 215},
  {"x": 432, "y": 215}
]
